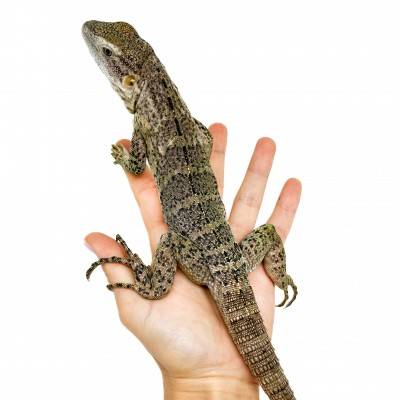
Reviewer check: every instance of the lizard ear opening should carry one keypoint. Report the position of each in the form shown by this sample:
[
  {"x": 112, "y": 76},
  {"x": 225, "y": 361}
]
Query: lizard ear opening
[{"x": 128, "y": 81}]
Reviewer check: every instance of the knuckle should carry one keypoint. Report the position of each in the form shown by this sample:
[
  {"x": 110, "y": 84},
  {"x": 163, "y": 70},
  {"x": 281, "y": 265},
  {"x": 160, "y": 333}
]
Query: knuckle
[{"x": 250, "y": 200}]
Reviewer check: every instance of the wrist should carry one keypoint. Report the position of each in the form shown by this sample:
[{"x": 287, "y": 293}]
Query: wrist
[{"x": 209, "y": 388}]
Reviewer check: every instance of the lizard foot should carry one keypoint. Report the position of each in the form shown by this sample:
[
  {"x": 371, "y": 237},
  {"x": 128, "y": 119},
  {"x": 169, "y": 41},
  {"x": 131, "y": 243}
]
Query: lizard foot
[
  {"x": 149, "y": 281},
  {"x": 129, "y": 262},
  {"x": 122, "y": 242},
  {"x": 120, "y": 155},
  {"x": 108, "y": 260},
  {"x": 135, "y": 164},
  {"x": 284, "y": 284}
]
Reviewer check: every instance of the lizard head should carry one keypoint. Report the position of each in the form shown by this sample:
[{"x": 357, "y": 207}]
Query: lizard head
[{"x": 120, "y": 53}]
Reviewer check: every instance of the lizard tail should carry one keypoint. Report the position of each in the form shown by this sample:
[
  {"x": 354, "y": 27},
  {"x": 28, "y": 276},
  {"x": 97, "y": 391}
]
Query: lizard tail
[{"x": 242, "y": 317}]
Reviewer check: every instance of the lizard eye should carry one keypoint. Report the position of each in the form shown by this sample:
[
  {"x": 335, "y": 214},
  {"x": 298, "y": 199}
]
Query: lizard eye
[{"x": 106, "y": 51}]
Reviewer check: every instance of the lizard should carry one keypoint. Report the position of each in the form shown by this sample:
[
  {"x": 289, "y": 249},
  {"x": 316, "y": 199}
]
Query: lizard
[{"x": 199, "y": 240}]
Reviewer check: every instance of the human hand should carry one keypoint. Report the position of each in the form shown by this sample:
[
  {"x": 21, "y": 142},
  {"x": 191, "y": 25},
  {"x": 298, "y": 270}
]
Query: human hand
[{"x": 184, "y": 331}]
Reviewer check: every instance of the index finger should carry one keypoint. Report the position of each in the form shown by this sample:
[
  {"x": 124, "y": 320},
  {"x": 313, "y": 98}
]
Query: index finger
[
  {"x": 217, "y": 158},
  {"x": 145, "y": 191}
]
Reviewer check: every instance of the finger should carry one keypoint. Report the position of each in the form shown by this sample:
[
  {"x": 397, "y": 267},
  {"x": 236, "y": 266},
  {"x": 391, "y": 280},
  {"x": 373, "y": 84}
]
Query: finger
[
  {"x": 103, "y": 246},
  {"x": 145, "y": 191},
  {"x": 285, "y": 209},
  {"x": 217, "y": 159},
  {"x": 248, "y": 200}
]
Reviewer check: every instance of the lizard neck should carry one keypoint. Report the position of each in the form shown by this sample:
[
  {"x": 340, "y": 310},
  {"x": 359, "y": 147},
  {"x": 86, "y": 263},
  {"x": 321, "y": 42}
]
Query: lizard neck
[
  {"x": 163, "y": 119},
  {"x": 176, "y": 154},
  {"x": 159, "y": 101}
]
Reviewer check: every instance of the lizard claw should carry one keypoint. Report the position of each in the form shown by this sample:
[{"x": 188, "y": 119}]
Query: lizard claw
[
  {"x": 284, "y": 287},
  {"x": 282, "y": 303},
  {"x": 294, "y": 288}
]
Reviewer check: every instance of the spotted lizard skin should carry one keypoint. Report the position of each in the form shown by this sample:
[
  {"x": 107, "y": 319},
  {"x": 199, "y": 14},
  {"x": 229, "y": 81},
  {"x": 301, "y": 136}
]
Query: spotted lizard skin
[{"x": 199, "y": 239}]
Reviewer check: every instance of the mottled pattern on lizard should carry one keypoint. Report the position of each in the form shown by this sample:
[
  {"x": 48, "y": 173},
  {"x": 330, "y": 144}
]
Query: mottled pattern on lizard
[{"x": 199, "y": 239}]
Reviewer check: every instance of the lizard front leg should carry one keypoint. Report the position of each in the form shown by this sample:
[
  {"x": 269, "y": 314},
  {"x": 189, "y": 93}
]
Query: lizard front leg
[
  {"x": 133, "y": 161},
  {"x": 204, "y": 137},
  {"x": 264, "y": 245},
  {"x": 151, "y": 282}
]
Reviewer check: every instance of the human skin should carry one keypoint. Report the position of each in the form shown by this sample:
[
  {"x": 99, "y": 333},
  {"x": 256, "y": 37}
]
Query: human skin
[{"x": 184, "y": 331}]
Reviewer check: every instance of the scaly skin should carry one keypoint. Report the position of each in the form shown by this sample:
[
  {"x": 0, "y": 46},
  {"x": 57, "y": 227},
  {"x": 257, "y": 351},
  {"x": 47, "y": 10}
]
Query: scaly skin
[{"x": 199, "y": 240}]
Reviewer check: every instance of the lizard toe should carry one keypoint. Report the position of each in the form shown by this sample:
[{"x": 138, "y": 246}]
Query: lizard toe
[
  {"x": 294, "y": 288},
  {"x": 282, "y": 303}
]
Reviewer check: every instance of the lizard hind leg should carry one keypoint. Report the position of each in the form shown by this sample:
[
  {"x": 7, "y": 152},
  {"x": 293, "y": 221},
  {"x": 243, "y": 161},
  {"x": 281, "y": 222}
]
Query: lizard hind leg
[
  {"x": 275, "y": 265},
  {"x": 264, "y": 245},
  {"x": 151, "y": 282}
]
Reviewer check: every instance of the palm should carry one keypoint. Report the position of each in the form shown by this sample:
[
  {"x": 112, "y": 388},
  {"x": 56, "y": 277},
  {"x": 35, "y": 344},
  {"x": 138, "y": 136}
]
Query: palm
[
  {"x": 184, "y": 331},
  {"x": 187, "y": 324}
]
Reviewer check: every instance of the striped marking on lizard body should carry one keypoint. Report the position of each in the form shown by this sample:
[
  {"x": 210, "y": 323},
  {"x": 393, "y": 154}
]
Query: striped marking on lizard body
[
  {"x": 181, "y": 142},
  {"x": 220, "y": 249},
  {"x": 207, "y": 228},
  {"x": 184, "y": 170},
  {"x": 192, "y": 200}
]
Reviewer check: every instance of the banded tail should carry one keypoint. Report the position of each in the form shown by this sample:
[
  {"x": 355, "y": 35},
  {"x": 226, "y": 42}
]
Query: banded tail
[{"x": 245, "y": 325}]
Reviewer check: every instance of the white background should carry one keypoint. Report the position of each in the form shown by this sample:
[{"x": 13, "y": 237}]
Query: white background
[{"x": 320, "y": 77}]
